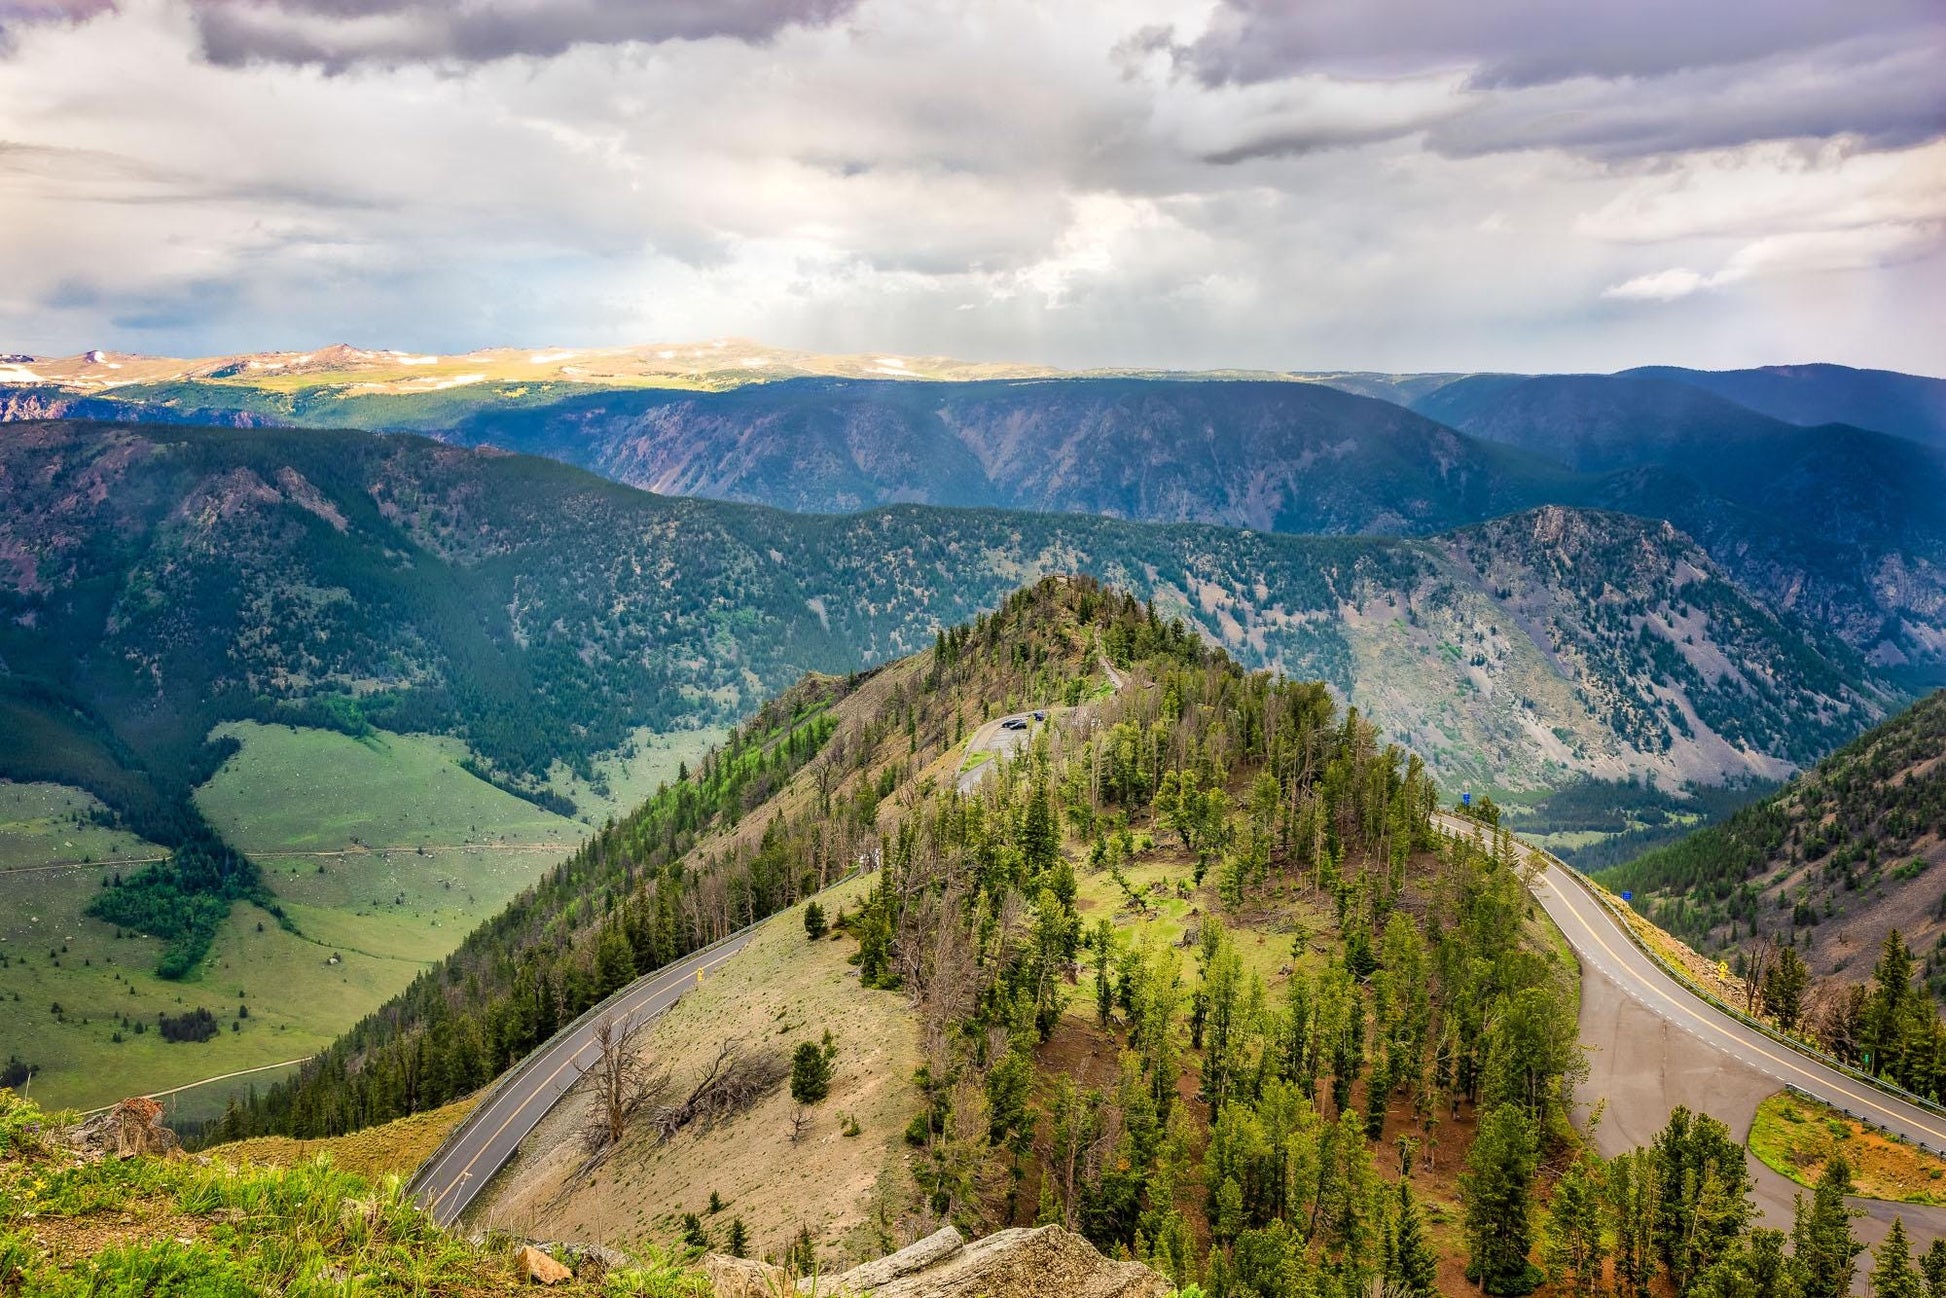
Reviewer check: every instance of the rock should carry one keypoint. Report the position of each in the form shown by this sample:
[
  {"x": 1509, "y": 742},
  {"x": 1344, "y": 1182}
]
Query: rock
[
  {"x": 591, "y": 1261},
  {"x": 1009, "y": 1264},
  {"x": 530, "y": 1264},
  {"x": 742, "y": 1277},
  {"x": 872, "y": 1276},
  {"x": 132, "y": 1127}
]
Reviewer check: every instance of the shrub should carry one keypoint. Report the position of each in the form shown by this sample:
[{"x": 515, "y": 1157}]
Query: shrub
[
  {"x": 811, "y": 1071},
  {"x": 814, "y": 925},
  {"x": 191, "y": 1025}
]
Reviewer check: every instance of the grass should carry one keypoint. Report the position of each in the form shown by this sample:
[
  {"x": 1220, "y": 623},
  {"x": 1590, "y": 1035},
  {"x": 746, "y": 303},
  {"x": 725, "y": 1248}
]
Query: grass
[
  {"x": 189, "y": 1229},
  {"x": 390, "y": 1149},
  {"x": 51, "y": 824},
  {"x": 383, "y": 850},
  {"x": 624, "y": 780},
  {"x": 293, "y": 790},
  {"x": 1796, "y": 1136}
]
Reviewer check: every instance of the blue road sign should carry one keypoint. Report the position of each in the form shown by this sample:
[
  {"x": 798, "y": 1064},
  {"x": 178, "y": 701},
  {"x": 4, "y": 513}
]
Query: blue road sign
[
  {"x": 1628, "y": 896},
  {"x": 1466, "y": 799}
]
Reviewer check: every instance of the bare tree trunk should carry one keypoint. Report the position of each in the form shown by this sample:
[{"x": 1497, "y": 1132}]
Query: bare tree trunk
[{"x": 620, "y": 1083}]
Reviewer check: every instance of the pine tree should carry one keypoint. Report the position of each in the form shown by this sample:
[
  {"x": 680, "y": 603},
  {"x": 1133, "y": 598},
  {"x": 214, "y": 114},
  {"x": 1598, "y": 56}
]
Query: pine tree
[
  {"x": 814, "y": 922},
  {"x": 1571, "y": 1238},
  {"x": 739, "y": 1241},
  {"x": 1892, "y": 1273},
  {"x": 1784, "y": 986},
  {"x": 1102, "y": 942},
  {"x": 810, "y": 1072},
  {"x": 1411, "y": 1266},
  {"x": 1497, "y": 1187},
  {"x": 1630, "y": 1194},
  {"x": 1823, "y": 1249},
  {"x": 1933, "y": 1267},
  {"x": 1885, "y": 1007}
]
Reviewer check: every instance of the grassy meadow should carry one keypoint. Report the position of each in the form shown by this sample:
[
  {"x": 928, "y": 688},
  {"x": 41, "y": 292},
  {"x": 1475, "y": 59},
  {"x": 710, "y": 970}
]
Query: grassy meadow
[{"x": 383, "y": 850}]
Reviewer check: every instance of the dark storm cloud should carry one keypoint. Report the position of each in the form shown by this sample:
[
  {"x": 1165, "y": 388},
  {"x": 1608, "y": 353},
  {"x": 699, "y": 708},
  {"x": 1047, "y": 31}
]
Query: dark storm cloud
[
  {"x": 1607, "y": 80},
  {"x": 1893, "y": 99},
  {"x": 1532, "y": 42},
  {"x": 341, "y": 33}
]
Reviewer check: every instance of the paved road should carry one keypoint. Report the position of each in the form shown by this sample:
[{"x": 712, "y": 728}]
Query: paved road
[
  {"x": 994, "y": 738},
  {"x": 491, "y": 1133},
  {"x": 1002, "y": 743},
  {"x": 1655, "y": 1044}
]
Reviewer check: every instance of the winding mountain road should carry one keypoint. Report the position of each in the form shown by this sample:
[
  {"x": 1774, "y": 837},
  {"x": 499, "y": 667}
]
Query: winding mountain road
[
  {"x": 1655, "y": 1044},
  {"x": 483, "y": 1143}
]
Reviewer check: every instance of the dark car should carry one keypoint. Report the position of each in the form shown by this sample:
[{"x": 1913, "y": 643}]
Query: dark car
[{"x": 1013, "y": 723}]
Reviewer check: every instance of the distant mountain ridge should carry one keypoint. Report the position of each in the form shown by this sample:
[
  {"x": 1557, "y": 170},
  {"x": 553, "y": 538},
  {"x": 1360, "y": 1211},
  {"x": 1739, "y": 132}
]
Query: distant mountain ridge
[
  {"x": 1841, "y": 524},
  {"x": 1905, "y": 405}
]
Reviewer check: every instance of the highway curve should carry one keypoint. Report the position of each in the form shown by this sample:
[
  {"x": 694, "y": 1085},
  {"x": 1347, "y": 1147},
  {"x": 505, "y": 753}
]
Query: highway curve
[
  {"x": 483, "y": 1143},
  {"x": 1655, "y": 1044}
]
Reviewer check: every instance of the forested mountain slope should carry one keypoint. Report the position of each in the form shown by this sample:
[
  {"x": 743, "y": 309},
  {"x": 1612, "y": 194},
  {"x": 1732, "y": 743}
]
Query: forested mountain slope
[
  {"x": 158, "y": 580},
  {"x": 1843, "y": 525},
  {"x": 1192, "y": 807},
  {"x": 1830, "y": 863}
]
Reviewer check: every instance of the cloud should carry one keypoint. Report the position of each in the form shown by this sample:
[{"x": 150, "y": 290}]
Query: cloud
[
  {"x": 1516, "y": 43},
  {"x": 1009, "y": 180},
  {"x": 1661, "y": 286},
  {"x": 338, "y": 34},
  {"x": 1606, "y": 80}
]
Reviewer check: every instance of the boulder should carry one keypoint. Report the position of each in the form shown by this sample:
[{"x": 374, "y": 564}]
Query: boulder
[
  {"x": 536, "y": 1267},
  {"x": 590, "y": 1261},
  {"x": 872, "y": 1276},
  {"x": 132, "y": 1127},
  {"x": 742, "y": 1277}
]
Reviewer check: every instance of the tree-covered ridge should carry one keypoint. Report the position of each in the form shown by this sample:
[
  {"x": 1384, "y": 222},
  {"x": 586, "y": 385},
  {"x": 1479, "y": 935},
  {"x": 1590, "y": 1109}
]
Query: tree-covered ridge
[
  {"x": 1264, "y": 790},
  {"x": 1836, "y": 523},
  {"x": 1868, "y": 819},
  {"x": 161, "y": 580}
]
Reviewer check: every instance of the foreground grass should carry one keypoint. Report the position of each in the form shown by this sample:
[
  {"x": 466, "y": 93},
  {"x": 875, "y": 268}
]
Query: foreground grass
[
  {"x": 390, "y": 1149},
  {"x": 209, "y": 1229},
  {"x": 1796, "y": 1136}
]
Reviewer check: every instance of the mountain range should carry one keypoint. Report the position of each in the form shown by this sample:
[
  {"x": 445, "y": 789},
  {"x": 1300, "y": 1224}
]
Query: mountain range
[
  {"x": 160, "y": 579},
  {"x": 1839, "y": 523}
]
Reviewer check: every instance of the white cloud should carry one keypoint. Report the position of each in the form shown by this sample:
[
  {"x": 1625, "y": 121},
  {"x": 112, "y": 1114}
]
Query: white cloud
[{"x": 1660, "y": 286}]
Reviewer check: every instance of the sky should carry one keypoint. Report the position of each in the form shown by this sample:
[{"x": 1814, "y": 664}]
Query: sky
[{"x": 1333, "y": 184}]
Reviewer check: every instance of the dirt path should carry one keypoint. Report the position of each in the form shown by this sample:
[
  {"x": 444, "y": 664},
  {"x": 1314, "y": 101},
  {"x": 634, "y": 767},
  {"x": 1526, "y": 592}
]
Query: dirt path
[{"x": 273, "y": 853}]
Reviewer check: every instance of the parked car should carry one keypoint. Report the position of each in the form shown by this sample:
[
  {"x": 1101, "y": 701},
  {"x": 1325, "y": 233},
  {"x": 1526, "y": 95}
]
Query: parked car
[{"x": 1013, "y": 723}]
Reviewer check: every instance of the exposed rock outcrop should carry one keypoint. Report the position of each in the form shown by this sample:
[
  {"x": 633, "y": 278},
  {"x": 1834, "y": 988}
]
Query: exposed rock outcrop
[
  {"x": 1016, "y": 1263},
  {"x": 132, "y": 1127}
]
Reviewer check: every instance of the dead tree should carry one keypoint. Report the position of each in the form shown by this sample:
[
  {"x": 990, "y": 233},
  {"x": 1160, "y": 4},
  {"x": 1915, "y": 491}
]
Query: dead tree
[
  {"x": 731, "y": 1083},
  {"x": 621, "y": 1082}
]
